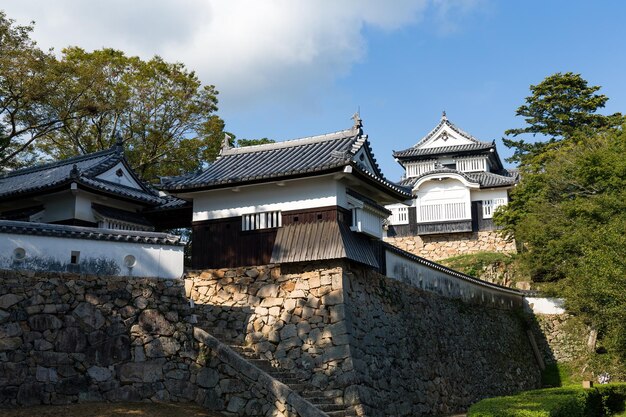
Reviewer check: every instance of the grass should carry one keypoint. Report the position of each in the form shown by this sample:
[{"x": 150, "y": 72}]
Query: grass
[
  {"x": 475, "y": 264},
  {"x": 112, "y": 410},
  {"x": 572, "y": 401}
]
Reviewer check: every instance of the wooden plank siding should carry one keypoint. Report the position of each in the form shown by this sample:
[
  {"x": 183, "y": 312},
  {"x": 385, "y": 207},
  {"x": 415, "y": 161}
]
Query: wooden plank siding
[{"x": 221, "y": 243}]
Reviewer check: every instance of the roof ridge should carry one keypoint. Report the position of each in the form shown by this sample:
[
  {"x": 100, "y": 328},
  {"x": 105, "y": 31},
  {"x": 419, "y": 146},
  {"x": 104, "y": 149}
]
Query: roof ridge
[
  {"x": 445, "y": 121},
  {"x": 292, "y": 142},
  {"x": 55, "y": 164}
]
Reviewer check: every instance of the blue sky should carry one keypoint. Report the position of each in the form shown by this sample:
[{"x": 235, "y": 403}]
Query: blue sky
[{"x": 288, "y": 69}]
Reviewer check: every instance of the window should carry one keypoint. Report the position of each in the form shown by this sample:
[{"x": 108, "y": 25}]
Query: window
[
  {"x": 489, "y": 206},
  {"x": 257, "y": 221},
  {"x": 419, "y": 168},
  {"x": 75, "y": 257},
  {"x": 472, "y": 164},
  {"x": 399, "y": 215}
]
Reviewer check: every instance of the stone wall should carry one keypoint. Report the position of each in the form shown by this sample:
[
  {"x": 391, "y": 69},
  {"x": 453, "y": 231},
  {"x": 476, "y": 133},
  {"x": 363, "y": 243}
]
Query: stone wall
[
  {"x": 68, "y": 338},
  {"x": 293, "y": 318},
  {"x": 383, "y": 346},
  {"x": 417, "y": 353},
  {"x": 437, "y": 247},
  {"x": 561, "y": 337}
]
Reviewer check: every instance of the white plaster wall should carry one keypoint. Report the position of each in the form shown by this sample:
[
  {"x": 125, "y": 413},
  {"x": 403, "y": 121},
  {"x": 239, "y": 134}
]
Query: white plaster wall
[
  {"x": 480, "y": 195},
  {"x": 453, "y": 139},
  {"x": 152, "y": 260},
  {"x": 442, "y": 283},
  {"x": 540, "y": 305},
  {"x": 126, "y": 179},
  {"x": 291, "y": 195},
  {"x": 83, "y": 209}
]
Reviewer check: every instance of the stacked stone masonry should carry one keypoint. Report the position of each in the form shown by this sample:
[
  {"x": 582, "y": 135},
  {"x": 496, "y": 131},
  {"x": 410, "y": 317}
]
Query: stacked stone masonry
[
  {"x": 437, "y": 247},
  {"x": 561, "y": 337},
  {"x": 75, "y": 338},
  {"x": 383, "y": 347}
]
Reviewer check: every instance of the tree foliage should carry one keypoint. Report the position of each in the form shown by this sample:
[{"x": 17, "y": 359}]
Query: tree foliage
[
  {"x": 80, "y": 102},
  {"x": 35, "y": 96},
  {"x": 559, "y": 106},
  {"x": 252, "y": 142},
  {"x": 569, "y": 211},
  {"x": 163, "y": 114}
]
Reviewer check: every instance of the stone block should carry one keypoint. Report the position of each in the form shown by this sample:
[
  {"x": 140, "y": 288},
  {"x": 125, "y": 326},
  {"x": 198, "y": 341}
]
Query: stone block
[
  {"x": 181, "y": 389},
  {"x": 333, "y": 298},
  {"x": 288, "y": 331},
  {"x": 10, "y": 343},
  {"x": 12, "y": 373},
  {"x": 9, "y": 300},
  {"x": 88, "y": 314},
  {"x": 162, "y": 347},
  {"x": 43, "y": 322},
  {"x": 207, "y": 377},
  {"x": 236, "y": 405},
  {"x": 71, "y": 339},
  {"x": 99, "y": 373},
  {"x": 30, "y": 394},
  {"x": 10, "y": 330},
  {"x": 271, "y": 302},
  {"x": 46, "y": 374},
  {"x": 153, "y": 322},
  {"x": 229, "y": 386},
  {"x": 112, "y": 350},
  {"x": 4, "y": 316},
  {"x": 140, "y": 372}
]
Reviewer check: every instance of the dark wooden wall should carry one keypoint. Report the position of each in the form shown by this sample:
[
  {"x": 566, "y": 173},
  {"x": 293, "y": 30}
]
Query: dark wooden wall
[{"x": 222, "y": 244}]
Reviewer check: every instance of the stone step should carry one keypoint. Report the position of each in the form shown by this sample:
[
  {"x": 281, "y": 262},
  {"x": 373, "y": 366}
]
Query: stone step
[
  {"x": 330, "y": 407},
  {"x": 320, "y": 400},
  {"x": 341, "y": 413}
]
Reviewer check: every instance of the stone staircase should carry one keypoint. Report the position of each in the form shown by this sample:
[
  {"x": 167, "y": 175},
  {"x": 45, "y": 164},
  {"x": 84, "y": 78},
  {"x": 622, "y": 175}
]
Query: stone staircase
[{"x": 330, "y": 402}]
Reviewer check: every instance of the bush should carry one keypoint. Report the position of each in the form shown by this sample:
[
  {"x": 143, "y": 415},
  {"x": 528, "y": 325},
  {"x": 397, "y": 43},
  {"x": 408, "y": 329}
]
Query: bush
[{"x": 601, "y": 401}]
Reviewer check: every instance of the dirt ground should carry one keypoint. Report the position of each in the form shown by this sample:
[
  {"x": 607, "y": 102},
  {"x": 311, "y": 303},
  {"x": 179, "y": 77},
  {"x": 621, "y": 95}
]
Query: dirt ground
[{"x": 111, "y": 410}]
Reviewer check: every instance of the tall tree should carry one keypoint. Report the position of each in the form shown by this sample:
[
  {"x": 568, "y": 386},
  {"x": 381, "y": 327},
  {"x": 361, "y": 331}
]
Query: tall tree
[
  {"x": 35, "y": 96},
  {"x": 559, "y": 106},
  {"x": 163, "y": 113}
]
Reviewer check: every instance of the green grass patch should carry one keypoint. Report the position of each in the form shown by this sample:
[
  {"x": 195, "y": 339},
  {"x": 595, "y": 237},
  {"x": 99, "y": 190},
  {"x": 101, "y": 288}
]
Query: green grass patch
[
  {"x": 572, "y": 401},
  {"x": 475, "y": 264},
  {"x": 556, "y": 375}
]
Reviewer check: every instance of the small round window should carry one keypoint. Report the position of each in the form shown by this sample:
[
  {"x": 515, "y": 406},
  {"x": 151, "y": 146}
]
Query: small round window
[
  {"x": 19, "y": 254},
  {"x": 130, "y": 261}
]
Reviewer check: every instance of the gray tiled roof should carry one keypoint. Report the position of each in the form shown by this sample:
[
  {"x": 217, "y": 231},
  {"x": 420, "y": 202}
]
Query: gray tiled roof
[
  {"x": 288, "y": 159},
  {"x": 484, "y": 179},
  {"x": 444, "y": 150},
  {"x": 82, "y": 170},
  {"x": 79, "y": 232}
]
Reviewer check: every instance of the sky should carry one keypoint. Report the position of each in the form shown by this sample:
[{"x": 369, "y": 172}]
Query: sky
[{"x": 293, "y": 68}]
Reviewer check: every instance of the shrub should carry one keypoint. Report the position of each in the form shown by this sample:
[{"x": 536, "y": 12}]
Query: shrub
[{"x": 604, "y": 400}]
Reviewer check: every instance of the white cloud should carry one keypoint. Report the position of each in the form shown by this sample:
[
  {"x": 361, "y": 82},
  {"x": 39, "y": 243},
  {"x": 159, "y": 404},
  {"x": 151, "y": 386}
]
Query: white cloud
[{"x": 247, "y": 48}]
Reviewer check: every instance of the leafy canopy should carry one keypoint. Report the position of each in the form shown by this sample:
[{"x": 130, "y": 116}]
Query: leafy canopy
[
  {"x": 568, "y": 213},
  {"x": 79, "y": 103},
  {"x": 559, "y": 106}
]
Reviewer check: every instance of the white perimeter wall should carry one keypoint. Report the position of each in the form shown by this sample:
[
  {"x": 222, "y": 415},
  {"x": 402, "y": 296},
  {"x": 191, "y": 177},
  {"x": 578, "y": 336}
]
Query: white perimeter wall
[
  {"x": 432, "y": 280},
  {"x": 292, "y": 195},
  {"x": 161, "y": 261}
]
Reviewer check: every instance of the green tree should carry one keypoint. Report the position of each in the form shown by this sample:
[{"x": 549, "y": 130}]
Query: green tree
[
  {"x": 252, "y": 142},
  {"x": 559, "y": 106},
  {"x": 36, "y": 97},
  {"x": 163, "y": 113}
]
